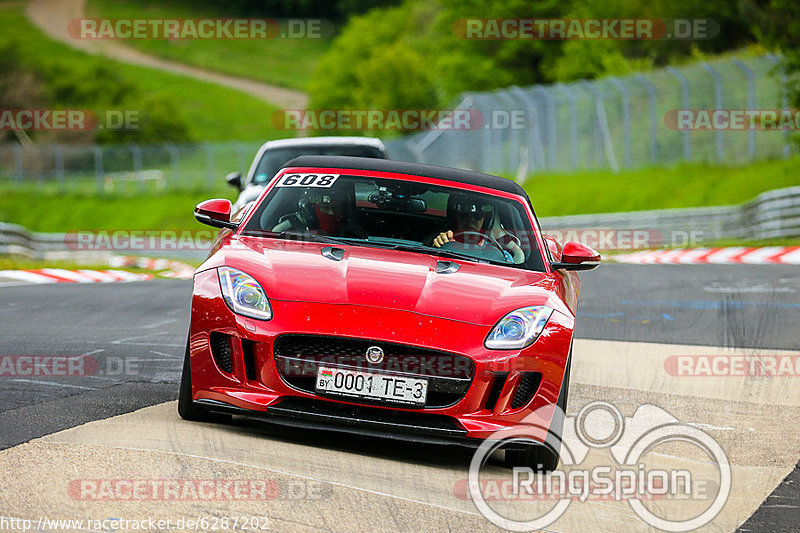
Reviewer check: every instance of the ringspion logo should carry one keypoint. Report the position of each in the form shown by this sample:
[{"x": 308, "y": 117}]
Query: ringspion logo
[{"x": 632, "y": 469}]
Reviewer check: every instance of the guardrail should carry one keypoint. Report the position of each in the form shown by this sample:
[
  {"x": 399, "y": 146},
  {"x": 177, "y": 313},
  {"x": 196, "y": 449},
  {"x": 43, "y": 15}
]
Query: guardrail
[
  {"x": 17, "y": 240},
  {"x": 772, "y": 214}
]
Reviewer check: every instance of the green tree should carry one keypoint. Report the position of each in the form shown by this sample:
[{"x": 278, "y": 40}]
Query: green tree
[{"x": 777, "y": 24}]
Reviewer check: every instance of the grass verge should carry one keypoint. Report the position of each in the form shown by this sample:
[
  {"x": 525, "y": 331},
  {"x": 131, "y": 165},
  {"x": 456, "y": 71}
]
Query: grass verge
[
  {"x": 279, "y": 61},
  {"x": 66, "y": 213},
  {"x": 685, "y": 186},
  {"x": 658, "y": 188},
  {"x": 211, "y": 112}
]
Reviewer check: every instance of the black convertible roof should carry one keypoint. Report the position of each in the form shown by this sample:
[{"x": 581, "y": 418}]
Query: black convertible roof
[{"x": 403, "y": 167}]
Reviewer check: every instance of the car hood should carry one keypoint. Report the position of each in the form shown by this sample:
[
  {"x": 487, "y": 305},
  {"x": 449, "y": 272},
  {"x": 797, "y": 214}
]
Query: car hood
[{"x": 477, "y": 293}]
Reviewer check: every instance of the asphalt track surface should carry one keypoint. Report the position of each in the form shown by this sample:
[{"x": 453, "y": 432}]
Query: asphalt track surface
[{"x": 630, "y": 319}]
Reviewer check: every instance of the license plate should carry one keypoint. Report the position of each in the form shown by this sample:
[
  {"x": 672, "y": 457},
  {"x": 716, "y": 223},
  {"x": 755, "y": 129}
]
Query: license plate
[{"x": 357, "y": 384}]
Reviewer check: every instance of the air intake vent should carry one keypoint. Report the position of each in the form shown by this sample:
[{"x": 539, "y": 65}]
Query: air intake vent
[
  {"x": 528, "y": 385},
  {"x": 221, "y": 350},
  {"x": 248, "y": 353},
  {"x": 497, "y": 388}
]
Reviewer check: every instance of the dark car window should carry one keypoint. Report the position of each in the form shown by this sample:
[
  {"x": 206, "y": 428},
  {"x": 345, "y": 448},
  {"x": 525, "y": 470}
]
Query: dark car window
[
  {"x": 272, "y": 160},
  {"x": 409, "y": 215}
]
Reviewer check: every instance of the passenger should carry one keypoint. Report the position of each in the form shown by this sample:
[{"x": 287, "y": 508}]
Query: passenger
[{"x": 326, "y": 212}]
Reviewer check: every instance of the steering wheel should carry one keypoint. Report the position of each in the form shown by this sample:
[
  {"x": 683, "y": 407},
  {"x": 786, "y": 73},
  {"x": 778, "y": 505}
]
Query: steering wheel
[{"x": 479, "y": 234}]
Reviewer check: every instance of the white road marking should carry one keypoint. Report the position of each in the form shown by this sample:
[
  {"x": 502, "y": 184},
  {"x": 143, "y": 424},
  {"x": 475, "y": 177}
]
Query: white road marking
[
  {"x": 52, "y": 384},
  {"x": 159, "y": 323}
]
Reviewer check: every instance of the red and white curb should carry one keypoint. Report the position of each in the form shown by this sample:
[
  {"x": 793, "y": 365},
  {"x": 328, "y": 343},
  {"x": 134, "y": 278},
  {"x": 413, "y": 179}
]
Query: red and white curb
[
  {"x": 175, "y": 269},
  {"x": 60, "y": 275},
  {"x": 735, "y": 255}
]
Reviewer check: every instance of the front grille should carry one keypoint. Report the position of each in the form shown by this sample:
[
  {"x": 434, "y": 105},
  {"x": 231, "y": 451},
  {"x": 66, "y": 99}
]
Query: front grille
[
  {"x": 528, "y": 385},
  {"x": 221, "y": 350},
  {"x": 297, "y": 358}
]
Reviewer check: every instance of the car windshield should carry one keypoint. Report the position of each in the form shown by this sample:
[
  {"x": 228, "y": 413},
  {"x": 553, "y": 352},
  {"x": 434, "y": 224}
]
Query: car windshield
[
  {"x": 273, "y": 160},
  {"x": 398, "y": 214}
]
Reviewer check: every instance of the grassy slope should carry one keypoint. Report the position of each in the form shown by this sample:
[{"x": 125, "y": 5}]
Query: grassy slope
[
  {"x": 552, "y": 195},
  {"x": 212, "y": 112},
  {"x": 285, "y": 62},
  {"x": 63, "y": 213},
  {"x": 658, "y": 188}
]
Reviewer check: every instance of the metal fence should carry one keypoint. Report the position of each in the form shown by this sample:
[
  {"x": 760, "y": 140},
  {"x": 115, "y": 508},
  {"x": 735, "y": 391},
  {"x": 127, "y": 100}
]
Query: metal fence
[
  {"x": 613, "y": 123},
  {"x": 130, "y": 168}
]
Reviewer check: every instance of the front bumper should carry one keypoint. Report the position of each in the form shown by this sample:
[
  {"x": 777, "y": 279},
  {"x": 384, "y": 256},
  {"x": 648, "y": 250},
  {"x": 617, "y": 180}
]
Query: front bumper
[{"x": 250, "y": 385}]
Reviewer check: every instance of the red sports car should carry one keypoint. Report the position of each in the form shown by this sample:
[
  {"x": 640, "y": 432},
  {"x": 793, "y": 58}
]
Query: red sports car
[{"x": 384, "y": 298}]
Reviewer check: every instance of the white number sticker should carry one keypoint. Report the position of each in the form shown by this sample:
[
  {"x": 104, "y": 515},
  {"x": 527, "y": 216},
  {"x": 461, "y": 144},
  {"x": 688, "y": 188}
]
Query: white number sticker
[{"x": 307, "y": 180}]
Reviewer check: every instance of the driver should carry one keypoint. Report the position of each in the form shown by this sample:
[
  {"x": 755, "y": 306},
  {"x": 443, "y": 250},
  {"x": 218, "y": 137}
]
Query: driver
[
  {"x": 326, "y": 212},
  {"x": 471, "y": 215}
]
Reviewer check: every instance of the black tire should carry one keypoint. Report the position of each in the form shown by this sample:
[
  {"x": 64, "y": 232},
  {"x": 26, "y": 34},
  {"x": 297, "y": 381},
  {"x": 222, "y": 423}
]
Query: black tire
[
  {"x": 544, "y": 458},
  {"x": 186, "y": 407}
]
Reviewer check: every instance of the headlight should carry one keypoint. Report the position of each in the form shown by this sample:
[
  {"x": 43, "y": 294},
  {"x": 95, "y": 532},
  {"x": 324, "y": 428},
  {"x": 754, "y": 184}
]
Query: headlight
[
  {"x": 243, "y": 294},
  {"x": 518, "y": 329}
]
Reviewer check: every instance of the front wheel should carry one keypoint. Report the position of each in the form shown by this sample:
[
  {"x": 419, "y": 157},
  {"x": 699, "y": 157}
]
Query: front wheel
[
  {"x": 186, "y": 407},
  {"x": 544, "y": 457}
]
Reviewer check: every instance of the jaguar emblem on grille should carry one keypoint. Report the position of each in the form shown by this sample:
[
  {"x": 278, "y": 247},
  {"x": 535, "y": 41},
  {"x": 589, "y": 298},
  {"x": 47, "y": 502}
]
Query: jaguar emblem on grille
[{"x": 374, "y": 354}]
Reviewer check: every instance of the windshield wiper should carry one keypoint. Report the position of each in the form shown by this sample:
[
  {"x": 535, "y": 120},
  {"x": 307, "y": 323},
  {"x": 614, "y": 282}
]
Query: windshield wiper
[
  {"x": 438, "y": 251},
  {"x": 311, "y": 236},
  {"x": 429, "y": 250},
  {"x": 293, "y": 235}
]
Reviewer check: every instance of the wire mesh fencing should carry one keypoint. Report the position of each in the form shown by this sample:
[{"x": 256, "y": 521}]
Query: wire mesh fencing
[
  {"x": 613, "y": 123},
  {"x": 646, "y": 119}
]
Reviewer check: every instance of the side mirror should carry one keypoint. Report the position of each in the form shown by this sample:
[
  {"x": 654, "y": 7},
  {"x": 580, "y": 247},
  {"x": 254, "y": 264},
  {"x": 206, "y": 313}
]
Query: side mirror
[
  {"x": 234, "y": 179},
  {"x": 216, "y": 213},
  {"x": 577, "y": 256}
]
